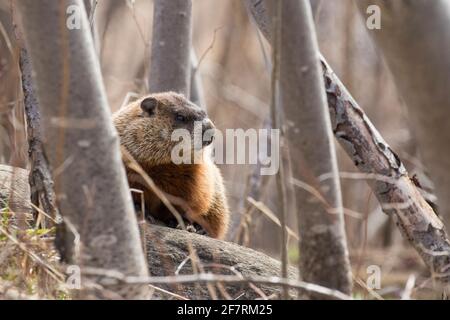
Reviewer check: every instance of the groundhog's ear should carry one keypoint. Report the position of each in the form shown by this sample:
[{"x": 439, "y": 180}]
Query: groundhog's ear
[{"x": 149, "y": 105}]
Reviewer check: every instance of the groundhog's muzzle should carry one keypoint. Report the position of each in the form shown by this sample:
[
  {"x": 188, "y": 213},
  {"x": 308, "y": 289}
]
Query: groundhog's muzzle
[{"x": 208, "y": 131}]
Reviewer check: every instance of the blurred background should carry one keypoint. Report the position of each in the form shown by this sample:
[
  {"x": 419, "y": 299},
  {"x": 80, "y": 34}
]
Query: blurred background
[{"x": 234, "y": 70}]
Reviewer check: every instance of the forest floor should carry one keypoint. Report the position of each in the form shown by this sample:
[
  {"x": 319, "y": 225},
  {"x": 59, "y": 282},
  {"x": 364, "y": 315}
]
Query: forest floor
[
  {"x": 30, "y": 269},
  {"x": 29, "y": 264},
  {"x": 402, "y": 274}
]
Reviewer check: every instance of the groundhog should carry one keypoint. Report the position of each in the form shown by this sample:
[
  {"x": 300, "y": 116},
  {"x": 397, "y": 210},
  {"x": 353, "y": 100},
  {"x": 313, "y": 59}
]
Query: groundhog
[{"x": 195, "y": 190}]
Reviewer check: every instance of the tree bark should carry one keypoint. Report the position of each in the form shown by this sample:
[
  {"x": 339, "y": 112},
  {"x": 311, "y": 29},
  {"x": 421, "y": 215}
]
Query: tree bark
[
  {"x": 41, "y": 181},
  {"x": 415, "y": 42},
  {"x": 170, "y": 67},
  {"x": 397, "y": 194},
  {"x": 167, "y": 248},
  {"x": 82, "y": 146},
  {"x": 383, "y": 169}
]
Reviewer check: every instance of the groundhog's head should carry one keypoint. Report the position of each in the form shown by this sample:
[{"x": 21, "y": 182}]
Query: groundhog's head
[{"x": 148, "y": 127}]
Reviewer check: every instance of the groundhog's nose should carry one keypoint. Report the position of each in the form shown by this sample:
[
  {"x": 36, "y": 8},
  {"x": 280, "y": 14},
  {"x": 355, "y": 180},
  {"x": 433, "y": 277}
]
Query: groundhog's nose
[{"x": 208, "y": 129}]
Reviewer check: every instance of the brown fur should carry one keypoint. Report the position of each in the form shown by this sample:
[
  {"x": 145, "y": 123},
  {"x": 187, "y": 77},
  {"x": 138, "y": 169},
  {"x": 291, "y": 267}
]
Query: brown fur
[{"x": 195, "y": 190}]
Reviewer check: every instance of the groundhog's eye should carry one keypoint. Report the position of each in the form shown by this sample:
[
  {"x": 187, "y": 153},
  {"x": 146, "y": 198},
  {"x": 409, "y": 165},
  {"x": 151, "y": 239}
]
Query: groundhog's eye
[{"x": 180, "y": 118}]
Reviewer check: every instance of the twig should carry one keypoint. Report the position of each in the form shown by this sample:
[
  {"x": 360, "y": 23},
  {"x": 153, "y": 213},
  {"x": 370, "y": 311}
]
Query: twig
[
  {"x": 211, "y": 46},
  {"x": 276, "y": 124},
  {"x": 212, "y": 278},
  {"x": 268, "y": 213},
  {"x": 92, "y": 12},
  {"x": 316, "y": 193},
  {"x": 177, "y": 296},
  {"x": 406, "y": 295},
  {"x": 369, "y": 290}
]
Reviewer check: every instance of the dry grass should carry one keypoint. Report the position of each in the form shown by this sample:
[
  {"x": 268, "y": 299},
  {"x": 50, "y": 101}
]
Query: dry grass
[{"x": 29, "y": 267}]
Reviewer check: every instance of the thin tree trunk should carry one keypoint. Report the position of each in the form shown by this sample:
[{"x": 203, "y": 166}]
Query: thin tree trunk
[
  {"x": 82, "y": 147},
  {"x": 388, "y": 178},
  {"x": 41, "y": 181},
  {"x": 40, "y": 178},
  {"x": 323, "y": 248},
  {"x": 170, "y": 67},
  {"x": 275, "y": 109},
  {"x": 415, "y": 41}
]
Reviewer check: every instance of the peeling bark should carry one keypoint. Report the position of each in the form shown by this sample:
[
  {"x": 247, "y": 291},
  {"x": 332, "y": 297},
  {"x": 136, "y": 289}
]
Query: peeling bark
[{"x": 398, "y": 195}]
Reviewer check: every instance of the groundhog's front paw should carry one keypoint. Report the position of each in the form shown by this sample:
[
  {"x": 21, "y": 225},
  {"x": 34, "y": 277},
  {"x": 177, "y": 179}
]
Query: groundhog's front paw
[
  {"x": 190, "y": 227},
  {"x": 200, "y": 230},
  {"x": 173, "y": 223}
]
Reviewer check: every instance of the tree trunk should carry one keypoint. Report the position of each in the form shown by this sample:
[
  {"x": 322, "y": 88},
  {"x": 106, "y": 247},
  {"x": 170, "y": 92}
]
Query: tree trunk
[
  {"x": 41, "y": 181},
  {"x": 415, "y": 41},
  {"x": 82, "y": 146},
  {"x": 275, "y": 117},
  {"x": 170, "y": 67},
  {"x": 323, "y": 248}
]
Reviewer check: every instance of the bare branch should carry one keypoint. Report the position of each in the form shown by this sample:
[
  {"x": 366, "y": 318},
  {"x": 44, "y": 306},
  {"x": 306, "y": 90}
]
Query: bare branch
[{"x": 215, "y": 278}]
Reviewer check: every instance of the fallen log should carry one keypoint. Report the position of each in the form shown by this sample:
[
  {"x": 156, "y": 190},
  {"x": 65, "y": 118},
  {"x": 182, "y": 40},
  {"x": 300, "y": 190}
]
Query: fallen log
[
  {"x": 168, "y": 254},
  {"x": 14, "y": 179}
]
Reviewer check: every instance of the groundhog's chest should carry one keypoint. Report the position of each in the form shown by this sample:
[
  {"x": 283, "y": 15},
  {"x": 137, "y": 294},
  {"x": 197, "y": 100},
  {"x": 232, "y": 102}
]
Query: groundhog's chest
[{"x": 184, "y": 185}]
